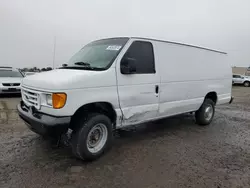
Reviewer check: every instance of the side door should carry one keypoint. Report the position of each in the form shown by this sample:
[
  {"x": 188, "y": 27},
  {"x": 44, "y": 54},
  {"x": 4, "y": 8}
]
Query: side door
[
  {"x": 237, "y": 79},
  {"x": 139, "y": 90},
  {"x": 242, "y": 79}
]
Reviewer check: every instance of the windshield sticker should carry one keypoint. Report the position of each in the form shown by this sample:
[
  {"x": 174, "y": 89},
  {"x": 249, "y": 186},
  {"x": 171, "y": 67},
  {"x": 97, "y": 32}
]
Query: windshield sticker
[{"x": 115, "y": 48}]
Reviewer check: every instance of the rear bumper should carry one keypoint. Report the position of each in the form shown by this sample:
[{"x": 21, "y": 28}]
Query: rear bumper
[
  {"x": 43, "y": 124},
  {"x": 231, "y": 100}
]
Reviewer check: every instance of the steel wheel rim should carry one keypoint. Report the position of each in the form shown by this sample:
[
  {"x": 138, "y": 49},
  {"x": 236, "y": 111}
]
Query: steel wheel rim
[
  {"x": 97, "y": 138},
  {"x": 208, "y": 112},
  {"x": 246, "y": 84}
]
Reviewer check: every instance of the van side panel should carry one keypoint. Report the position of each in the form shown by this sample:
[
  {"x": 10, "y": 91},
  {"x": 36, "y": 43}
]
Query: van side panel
[{"x": 188, "y": 74}]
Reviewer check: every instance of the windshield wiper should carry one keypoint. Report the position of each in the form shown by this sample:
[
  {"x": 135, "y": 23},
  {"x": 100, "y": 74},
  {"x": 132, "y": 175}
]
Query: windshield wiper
[
  {"x": 83, "y": 68},
  {"x": 82, "y": 63},
  {"x": 87, "y": 66}
]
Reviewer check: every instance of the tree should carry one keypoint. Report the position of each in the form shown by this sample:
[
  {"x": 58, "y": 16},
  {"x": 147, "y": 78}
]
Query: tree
[{"x": 49, "y": 68}]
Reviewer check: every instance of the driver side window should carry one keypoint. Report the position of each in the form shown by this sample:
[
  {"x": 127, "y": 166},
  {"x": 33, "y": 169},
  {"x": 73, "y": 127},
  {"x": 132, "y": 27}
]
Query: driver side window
[
  {"x": 236, "y": 76},
  {"x": 143, "y": 55}
]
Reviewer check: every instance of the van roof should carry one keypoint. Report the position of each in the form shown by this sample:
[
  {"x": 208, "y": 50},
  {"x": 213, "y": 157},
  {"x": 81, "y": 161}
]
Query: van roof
[
  {"x": 177, "y": 43},
  {"x": 183, "y": 44}
]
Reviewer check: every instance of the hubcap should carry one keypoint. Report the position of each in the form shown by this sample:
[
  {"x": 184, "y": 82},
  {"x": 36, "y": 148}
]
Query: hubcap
[
  {"x": 246, "y": 84},
  {"x": 97, "y": 138},
  {"x": 208, "y": 112}
]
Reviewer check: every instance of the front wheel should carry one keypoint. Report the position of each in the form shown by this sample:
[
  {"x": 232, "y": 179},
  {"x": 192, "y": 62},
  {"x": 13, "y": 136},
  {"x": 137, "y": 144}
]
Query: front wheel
[
  {"x": 93, "y": 136},
  {"x": 205, "y": 114},
  {"x": 246, "y": 84}
]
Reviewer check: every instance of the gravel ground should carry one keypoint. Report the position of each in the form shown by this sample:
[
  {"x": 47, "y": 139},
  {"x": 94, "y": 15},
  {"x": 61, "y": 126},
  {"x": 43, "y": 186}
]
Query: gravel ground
[{"x": 173, "y": 152}]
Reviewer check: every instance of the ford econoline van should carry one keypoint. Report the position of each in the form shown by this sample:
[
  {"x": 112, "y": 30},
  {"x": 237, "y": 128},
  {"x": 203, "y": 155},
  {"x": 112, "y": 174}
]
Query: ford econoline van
[{"x": 117, "y": 82}]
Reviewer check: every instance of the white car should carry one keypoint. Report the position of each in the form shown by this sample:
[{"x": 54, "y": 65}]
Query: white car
[
  {"x": 10, "y": 80},
  {"x": 114, "y": 83},
  {"x": 29, "y": 73},
  {"x": 241, "y": 79}
]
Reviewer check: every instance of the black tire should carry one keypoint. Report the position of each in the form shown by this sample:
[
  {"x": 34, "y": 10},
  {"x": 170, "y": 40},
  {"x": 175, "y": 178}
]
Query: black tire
[
  {"x": 200, "y": 115},
  {"x": 246, "y": 84},
  {"x": 80, "y": 136}
]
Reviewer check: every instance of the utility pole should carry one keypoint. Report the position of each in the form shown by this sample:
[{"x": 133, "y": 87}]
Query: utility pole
[{"x": 54, "y": 54}]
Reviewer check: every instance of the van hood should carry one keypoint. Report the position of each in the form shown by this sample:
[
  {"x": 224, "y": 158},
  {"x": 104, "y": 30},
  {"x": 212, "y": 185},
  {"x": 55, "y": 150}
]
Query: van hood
[
  {"x": 10, "y": 79},
  {"x": 64, "y": 79}
]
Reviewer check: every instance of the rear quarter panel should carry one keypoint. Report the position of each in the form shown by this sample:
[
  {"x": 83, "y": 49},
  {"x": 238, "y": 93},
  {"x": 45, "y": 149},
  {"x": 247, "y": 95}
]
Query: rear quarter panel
[{"x": 188, "y": 74}]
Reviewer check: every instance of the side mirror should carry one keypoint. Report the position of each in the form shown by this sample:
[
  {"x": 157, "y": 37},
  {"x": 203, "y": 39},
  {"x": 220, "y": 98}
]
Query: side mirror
[{"x": 128, "y": 65}]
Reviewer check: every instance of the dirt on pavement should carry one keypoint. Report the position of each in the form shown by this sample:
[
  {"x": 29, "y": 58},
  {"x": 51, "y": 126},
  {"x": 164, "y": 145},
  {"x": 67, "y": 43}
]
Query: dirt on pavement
[{"x": 173, "y": 152}]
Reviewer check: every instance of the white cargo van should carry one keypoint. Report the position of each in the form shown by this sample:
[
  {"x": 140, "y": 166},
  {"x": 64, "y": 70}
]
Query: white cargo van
[{"x": 113, "y": 83}]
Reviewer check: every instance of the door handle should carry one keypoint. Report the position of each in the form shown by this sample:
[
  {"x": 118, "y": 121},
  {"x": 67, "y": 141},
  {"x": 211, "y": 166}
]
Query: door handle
[{"x": 157, "y": 89}]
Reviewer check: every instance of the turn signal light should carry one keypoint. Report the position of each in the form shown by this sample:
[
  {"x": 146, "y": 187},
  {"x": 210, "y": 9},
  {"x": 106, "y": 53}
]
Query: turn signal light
[{"x": 59, "y": 100}]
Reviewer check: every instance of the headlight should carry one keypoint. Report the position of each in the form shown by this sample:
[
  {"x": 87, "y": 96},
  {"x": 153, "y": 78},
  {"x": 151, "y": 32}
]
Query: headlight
[
  {"x": 56, "y": 100},
  {"x": 49, "y": 99}
]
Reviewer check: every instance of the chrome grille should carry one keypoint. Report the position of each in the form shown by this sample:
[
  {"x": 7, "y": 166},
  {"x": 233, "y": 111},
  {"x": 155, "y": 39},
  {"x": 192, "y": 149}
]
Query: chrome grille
[
  {"x": 31, "y": 97},
  {"x": 11, "y": 84}
]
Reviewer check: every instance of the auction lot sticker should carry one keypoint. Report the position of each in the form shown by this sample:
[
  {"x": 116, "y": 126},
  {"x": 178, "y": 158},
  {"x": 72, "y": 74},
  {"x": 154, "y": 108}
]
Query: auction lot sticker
[{"x": 114, "y": 47}]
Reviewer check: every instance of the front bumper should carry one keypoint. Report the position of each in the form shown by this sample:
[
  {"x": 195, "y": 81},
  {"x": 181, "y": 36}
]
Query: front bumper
[
  {"x": 9, "y": 90},
  {"x": 43, "y": 124}
]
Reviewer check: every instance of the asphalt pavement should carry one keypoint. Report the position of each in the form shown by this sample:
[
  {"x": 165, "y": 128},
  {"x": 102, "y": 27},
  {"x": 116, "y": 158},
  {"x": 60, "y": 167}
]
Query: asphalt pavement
[{"x": 173, "y": 152}]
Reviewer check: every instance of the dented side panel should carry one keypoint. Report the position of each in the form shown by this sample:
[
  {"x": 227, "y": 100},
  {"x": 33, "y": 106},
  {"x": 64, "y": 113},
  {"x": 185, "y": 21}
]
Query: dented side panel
[{"x": 137, "y": 95}]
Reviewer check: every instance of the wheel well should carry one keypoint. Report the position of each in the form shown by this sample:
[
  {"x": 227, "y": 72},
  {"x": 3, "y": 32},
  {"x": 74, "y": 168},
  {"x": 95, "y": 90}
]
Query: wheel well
[
  {"x": 97, "y": 107},
  {"x": 212, "y": 96}
]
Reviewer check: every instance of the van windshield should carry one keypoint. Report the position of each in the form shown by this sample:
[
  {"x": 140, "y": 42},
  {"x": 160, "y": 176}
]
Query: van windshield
[
  {"x": 98, "y": 55},
  {"x": 10, "y": 73}
]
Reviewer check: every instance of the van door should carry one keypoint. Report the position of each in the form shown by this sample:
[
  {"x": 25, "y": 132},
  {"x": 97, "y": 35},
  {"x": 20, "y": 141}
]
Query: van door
[{"x": 138, "y": 90}]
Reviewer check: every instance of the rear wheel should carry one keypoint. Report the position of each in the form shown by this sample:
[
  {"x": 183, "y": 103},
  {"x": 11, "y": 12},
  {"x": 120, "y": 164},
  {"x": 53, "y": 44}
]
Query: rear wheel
[
  {"x": 93, "y": 137},
  {"x": 205, "y": 114},
  {"x": 246, "y": 84}
]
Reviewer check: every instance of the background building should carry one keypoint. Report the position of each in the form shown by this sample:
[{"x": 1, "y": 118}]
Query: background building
[{"x": 241, "y": 70}]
